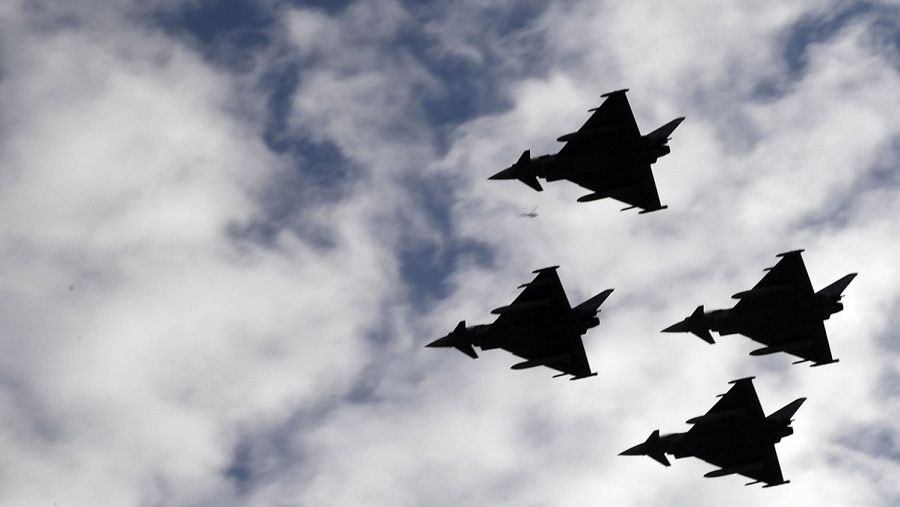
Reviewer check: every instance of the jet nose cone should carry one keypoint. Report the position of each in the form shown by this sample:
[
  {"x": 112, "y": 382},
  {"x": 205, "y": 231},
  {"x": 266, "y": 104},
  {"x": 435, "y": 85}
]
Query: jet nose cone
[
  {"x": 638, "y": 450},
  {"x": 506, "y": 174},
  {"x": 680, "y": 327},
  {"x": 441, "y": 342}
]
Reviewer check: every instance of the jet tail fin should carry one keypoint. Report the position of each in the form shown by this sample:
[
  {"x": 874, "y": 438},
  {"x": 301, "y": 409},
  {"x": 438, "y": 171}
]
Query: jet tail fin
[
  {"x": 592, "y": 305},
  {"x": 662, "y": 133},
  {"x": 783, "y": 415},
  {"x": 837, "y": 288}
]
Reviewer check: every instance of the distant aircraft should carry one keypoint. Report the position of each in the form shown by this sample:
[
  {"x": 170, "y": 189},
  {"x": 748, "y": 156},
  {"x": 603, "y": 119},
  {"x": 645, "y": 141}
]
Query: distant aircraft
[
  {"x": 607, "y": 155},
  {"x": 734, "y": 435},
  {"x": 781, "y": 311},
  {"x": 538, "y": 326},
  {"x": 529, "y": 214}
]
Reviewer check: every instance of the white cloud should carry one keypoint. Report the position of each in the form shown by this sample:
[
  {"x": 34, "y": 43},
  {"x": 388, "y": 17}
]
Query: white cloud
[
  {"x": 125, "y": 172},
  {"x": 140, "y": 335}
]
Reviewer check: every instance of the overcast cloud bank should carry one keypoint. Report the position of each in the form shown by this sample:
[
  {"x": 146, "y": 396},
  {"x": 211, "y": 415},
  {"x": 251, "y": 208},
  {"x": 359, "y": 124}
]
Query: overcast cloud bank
[{"x": 218, "y": 272}]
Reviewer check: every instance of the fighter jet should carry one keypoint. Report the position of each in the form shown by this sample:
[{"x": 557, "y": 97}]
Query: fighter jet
[
  {"x": 538, "y": 326},
  {"x": 781, "y": 311},
  {"x": 607, "y": 155},
  {"x": 734, "y": 435}
]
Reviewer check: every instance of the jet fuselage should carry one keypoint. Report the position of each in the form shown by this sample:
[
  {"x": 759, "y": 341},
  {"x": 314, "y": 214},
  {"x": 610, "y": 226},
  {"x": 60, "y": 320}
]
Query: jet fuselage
[
  {"x": 498, "y": 336},
  {"x": 606, "y": 157},
  {"x": 776, "y": 313},
  {"x": 493, "y": 336},
  {"x": 738, "y": 437}
]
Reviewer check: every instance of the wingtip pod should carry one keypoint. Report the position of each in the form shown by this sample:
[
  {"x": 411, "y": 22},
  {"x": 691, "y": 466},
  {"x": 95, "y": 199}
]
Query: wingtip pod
[
  {"x": 792, "y": 252},
  {"x": 651, "y": 210},
  {"x": 767, "y": 485},
  {"x": 607, "y": 95},
  {"x": 614, "y": 92}
]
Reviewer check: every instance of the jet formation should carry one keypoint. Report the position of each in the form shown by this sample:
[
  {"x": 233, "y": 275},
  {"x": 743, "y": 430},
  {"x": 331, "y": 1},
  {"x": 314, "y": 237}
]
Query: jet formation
[
  {"x": 538, "y": 326},
  {"x": 735, "y": 435},
  {"x": 781, "y": 311},
  {"x": 607, "y": 155}
]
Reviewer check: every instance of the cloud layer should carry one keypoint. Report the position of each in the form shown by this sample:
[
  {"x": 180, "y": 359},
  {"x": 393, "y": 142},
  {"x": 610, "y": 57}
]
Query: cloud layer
[{"x": 225, "y": 247}]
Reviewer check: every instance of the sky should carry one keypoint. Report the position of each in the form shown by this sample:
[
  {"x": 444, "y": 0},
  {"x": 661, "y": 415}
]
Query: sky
[{"x": 230, "y": 228}]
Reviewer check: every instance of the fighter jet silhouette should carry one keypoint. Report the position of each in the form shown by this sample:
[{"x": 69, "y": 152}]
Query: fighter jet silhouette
[
  {"x": 781, "y": 311},
  {"x": 734, "y": 435},
  {"x": 538, "y": 326},
  {"x": 607, "y": 155}
]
